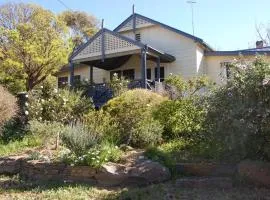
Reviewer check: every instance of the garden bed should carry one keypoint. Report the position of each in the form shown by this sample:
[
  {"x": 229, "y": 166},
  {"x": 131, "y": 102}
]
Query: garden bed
[{"x": 138, "y": 171}]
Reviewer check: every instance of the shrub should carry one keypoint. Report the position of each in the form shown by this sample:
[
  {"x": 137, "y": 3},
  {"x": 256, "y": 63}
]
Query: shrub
[
  {"x": 46, "y": 131},
  {"x": 172, "y": 152},
  {"x": 181, "y": 118},
  {"x": 8, "y": 106},
  {"x": 238, "y": 119},
  {"x": 101, "y": 123},
  {"x": 13, "y": 130},
  {"x": 118, "y": 85},
  {"x": 148, "y": 132},
  {"x": 178, "y": 88},
  {"x": 61, "y": 105},
  {"x": 79, "y": 139},
  {"x": 129, "y": 110},
  {"x": 96, "y": 157}
]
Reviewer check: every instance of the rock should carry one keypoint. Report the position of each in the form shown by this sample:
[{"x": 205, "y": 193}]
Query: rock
[
  {"x": 111, "y": 174},
  {"x": 205, "y": 183},
  {"x": 152, "y": 172},
  {"x": 142, "y": 173},
  {"x": 10, "y": 165},
  {"x": 255, "y": 172},
  {"x": 206, "y": 169}
]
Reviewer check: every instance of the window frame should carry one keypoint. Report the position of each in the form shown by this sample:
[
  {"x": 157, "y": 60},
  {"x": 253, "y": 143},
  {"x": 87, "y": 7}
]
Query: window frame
[
  {"x": 162, "y": 74},
  {"x": 127, "y": 71},
  {"x": 61, "y": 83}
]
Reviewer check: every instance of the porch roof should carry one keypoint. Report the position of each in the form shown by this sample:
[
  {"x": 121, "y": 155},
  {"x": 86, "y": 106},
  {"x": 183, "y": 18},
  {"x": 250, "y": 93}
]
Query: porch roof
[{"x": 109, "y": 50}]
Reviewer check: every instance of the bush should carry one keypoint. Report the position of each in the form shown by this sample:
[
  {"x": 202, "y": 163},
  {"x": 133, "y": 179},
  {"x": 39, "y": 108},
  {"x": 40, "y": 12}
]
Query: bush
[
  {"x": 178, "y": 88},
  {"x": 101, "y": 123},
  {"x": 148, "y": 132},
  {"x": 63, "y": 105},
  {"x": 8, "y": 106},
  {"x": 95, "y": 157},
  {"x": 181, "y": 118},
  {"x": 46, "y": 130},
  {"x": 129, "y": 110},
  {"x": 79, "y": 139},
  {"x": 238, "y": 119},
  {"x": 118, "y": 85},
  {"x": 172, "y": 152},
  {"x": 13, "y": 130}
]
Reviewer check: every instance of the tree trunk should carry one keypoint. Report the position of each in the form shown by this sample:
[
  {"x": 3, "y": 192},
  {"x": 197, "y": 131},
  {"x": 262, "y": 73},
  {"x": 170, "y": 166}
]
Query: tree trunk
[{"x": 29, "y": 84}]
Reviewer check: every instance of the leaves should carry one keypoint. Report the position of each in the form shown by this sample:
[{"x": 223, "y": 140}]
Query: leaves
[
  {"x": 82, "y": 26},
  {"x": 33, "y": 43}
]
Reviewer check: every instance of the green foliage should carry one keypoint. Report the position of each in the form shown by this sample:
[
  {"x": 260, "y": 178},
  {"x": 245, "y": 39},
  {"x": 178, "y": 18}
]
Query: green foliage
[
  {"x": 13, "y": 130},
  {"x": 63, "y": 105},
  {"x": 183, "y": 116},
  {"x": 118, "y": 85},
  {"x": 238, "y": 119},
  {"x": 171, "y": 152},
  {"x": 180, "y": 88},
  {"x": 46, "y": 130},
  {"x": 130, "y": 109},
  {"x": 96, "y": 157},
  {"x": 101, "y": 123},
  {"x": 79, "y": 139},
  {"x": 147, "y": 132},
  {"x": 180, "y": 118},
  {"x": 8, "y": 106},
  {"x": 18, "y": 146},
  {"x": 31, "y": 47},
  {"x": 82, "y": 25}
]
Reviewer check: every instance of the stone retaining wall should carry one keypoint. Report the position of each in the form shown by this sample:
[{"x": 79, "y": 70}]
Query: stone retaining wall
[
  {"x": 143, "y": 172},
  {"x": 34, "y": 170}
]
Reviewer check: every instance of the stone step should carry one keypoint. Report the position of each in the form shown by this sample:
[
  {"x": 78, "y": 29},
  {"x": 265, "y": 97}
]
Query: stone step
[
  {"x": 206, "y": 169},
  {"x": 204, "y": 182}
]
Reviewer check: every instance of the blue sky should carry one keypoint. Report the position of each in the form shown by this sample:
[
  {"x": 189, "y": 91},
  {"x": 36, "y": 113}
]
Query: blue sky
[{"x": 224, "y": 24}]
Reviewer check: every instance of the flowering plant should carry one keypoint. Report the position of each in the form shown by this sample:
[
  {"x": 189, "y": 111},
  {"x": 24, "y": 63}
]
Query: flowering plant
[
  {"x": 238, "y": 117},
  {"x": 95, "y": 157},
  {"x": 60, "y": 105}
]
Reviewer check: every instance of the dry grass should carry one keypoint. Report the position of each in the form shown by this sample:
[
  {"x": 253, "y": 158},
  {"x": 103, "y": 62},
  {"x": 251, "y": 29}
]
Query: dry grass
[{"x": 12, "y": 188}]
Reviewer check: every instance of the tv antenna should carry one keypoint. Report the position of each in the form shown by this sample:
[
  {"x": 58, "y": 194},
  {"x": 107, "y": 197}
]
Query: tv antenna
[{"x": 192, "y": 14}]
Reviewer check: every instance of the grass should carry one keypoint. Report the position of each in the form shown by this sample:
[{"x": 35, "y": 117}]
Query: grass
[
  {"x": 18, "y": 146},
  {"x": 171, "y": 153},
  {"x": 13, "y": 188}
]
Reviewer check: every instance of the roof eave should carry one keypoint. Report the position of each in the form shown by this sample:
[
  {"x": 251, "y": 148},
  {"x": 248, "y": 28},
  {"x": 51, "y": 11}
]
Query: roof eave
[{"x": 236, "y": 53}]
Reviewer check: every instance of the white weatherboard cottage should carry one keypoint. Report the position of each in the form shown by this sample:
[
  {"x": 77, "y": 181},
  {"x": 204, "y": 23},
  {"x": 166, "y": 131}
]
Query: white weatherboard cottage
[{"x": 143, "y": 49}]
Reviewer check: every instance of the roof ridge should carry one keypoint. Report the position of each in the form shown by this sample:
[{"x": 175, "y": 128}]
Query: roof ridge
[{"x": 197, "y": 39}]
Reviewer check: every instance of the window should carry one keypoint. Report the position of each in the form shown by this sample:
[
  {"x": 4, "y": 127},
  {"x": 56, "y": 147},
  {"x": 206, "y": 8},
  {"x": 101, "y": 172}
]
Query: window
[
  {"x": 225, "y": 67},
  {"x": 77, "y": 79},
  {"x": 129, "y": 74},
  {"x": 162, "y": 74},
  {"x": 62, "y": 81},
  {"x": 148, "y": 74},
  {"x": 138, "y": 37}
]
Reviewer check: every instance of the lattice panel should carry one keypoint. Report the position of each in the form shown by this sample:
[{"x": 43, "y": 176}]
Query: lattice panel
[
  {"x": 93, "y": 47},
  {"x": 140, "y": 21},
  {"x": 128, "y": 25},
  {"x": 112, "y": 43}
]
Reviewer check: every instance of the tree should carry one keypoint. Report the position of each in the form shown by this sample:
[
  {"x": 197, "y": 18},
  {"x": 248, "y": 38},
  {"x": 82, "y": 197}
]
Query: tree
[
  {"x": 33, "y": 45},
  {"x": 82, "y": 26}
]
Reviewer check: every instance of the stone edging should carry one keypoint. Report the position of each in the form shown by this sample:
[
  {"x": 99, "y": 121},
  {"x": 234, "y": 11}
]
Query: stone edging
[{"x": 141, "y": 173}]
